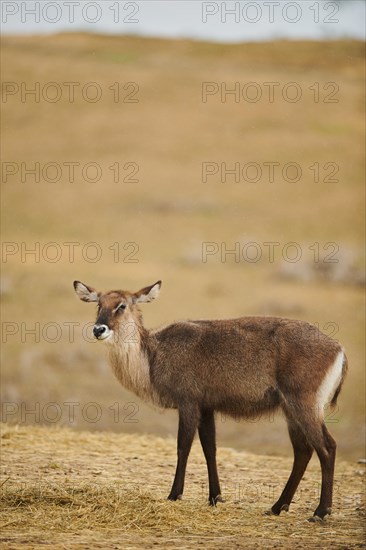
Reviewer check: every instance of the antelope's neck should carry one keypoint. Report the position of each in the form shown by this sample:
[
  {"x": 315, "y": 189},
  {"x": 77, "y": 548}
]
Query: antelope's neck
[{"x": 130, "y": 362}]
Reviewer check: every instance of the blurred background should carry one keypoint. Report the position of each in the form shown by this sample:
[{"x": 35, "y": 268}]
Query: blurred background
[{"x": 218, "y": 146}]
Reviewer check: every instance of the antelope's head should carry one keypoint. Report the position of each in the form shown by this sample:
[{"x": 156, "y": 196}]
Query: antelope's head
[{"x": 117, "y": 309}]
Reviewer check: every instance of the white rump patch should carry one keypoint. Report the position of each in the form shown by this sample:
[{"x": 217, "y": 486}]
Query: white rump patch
[{"x": 330, "y": 383}]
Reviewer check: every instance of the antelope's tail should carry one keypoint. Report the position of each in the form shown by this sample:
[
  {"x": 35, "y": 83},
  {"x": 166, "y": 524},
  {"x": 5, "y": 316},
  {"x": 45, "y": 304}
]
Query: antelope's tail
[{"x": 339, "y": 387}]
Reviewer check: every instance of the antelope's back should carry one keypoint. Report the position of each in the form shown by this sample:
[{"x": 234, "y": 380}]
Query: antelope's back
[{"x": 245, "y": 359}]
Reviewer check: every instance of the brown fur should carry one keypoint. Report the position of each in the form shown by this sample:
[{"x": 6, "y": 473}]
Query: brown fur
[{"x": 241, "y": 367}]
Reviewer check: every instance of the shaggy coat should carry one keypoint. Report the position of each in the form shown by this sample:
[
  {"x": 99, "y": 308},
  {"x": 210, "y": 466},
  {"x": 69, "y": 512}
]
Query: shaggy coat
[{"x": 241, "y": 367}]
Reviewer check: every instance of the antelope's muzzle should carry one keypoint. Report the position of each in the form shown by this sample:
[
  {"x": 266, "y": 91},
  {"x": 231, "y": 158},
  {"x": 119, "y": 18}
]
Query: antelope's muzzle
[{"x": 101, "y": 332}]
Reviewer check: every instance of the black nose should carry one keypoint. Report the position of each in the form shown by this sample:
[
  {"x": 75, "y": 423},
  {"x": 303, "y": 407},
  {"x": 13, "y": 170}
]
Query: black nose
[{"x": 98, "y": 330}]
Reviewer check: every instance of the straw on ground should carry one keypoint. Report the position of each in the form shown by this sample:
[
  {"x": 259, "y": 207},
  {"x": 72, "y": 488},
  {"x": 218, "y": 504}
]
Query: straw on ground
[{"x": 95, "y": 490}]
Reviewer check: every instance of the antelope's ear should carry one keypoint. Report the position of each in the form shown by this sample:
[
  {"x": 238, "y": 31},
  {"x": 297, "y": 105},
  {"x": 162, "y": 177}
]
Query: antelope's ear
[
  {"x": 86, "y": 293},
  {"x": 147, "y": 294}
]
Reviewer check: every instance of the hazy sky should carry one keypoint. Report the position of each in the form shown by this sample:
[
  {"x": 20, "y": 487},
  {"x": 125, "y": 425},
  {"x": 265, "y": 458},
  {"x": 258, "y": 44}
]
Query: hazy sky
[{"x": 231, "y": 21}]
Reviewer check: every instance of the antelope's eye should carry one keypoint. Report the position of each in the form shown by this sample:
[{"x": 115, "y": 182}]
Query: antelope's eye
[{"x": 121, "y": 307}]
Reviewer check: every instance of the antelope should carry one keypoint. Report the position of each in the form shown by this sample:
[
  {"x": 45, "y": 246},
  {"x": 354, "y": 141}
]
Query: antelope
[{"x": 240, "y": 367}]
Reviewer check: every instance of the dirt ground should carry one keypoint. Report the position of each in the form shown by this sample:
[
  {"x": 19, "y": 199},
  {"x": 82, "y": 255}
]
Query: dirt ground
[{"x": 76, "y": 490}]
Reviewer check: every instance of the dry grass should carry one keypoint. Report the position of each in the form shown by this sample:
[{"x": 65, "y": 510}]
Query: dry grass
[{"x": 83, "y": 490}]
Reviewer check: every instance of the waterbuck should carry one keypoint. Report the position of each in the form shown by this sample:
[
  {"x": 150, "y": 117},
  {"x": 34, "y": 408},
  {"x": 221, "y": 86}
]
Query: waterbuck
[{"x": 240, "y": 367}]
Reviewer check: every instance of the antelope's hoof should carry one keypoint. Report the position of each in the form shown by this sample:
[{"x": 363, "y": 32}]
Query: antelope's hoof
[
  {"x": 270, "y": 512},
  {"x": 320, "y": 514},
  {"x": 274, "y": 512},
  {"x": 316, "y": 519},
  {"x": 214, "y": 500},
  {"x": 175, "y": 497}
]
